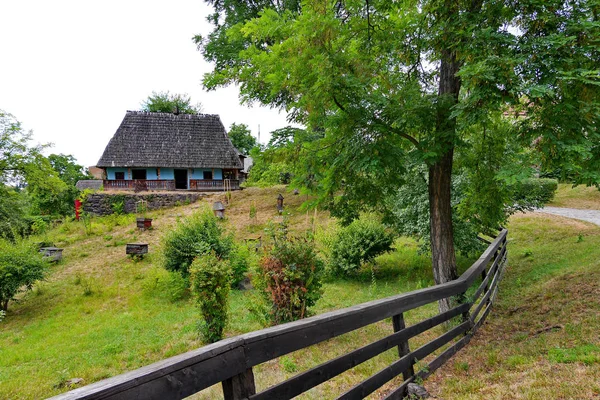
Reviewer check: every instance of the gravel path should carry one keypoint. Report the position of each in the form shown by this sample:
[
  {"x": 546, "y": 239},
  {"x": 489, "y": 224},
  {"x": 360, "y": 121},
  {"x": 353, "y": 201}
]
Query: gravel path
[{"x": 592, "y": 216}]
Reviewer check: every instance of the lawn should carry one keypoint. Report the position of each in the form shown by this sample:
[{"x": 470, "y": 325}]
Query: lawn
[
  {"x": 582, "y": 197},
  {"x": 541, "y": 340},
  {"x": 100, "y": 313}
]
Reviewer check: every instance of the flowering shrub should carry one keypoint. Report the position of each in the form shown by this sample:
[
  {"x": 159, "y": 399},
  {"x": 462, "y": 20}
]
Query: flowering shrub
[{"x": 289, "y": 276}]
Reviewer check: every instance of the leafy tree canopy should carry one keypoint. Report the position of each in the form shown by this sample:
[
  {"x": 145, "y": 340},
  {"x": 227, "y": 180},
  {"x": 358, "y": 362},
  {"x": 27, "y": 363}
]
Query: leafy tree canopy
[
  {"x": 486, "y": 87},
  {"x": 242, "y": 138},
  {"x": 168, "y": 103}
]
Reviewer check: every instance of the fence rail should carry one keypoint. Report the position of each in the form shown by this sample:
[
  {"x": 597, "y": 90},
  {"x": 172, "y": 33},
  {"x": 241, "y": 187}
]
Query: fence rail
[
  {"x": 230, "y": 361},
  {"x": 140, "y": 184},
  {"x": 214, "y": 184}
]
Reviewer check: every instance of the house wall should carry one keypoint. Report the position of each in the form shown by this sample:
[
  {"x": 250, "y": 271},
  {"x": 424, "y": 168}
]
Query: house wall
[
  {"x": 167, "y": 173},
  {"x": 110, "y": 172},
  {"x": 197, "y": 173}
]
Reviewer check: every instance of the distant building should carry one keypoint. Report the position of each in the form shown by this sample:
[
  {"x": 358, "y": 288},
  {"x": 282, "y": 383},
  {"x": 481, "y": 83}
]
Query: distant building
[{"x": 164, "y": 151}]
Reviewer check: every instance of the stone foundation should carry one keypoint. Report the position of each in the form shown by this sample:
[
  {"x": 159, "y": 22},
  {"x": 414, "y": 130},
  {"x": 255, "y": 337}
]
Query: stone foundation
[{"x": 105, "y": 203}]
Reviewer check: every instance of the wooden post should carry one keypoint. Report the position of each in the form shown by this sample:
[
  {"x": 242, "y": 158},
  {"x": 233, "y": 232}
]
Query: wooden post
[
  {"x": 240, "y": 386},
  {"x": 403, "y": 348}
]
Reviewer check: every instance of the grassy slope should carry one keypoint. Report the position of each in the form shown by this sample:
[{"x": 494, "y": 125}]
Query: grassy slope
[
  {"x": 582, "y": 197},
  {"x": 541, "y": 340},
  {"x": 93, "y": 318},
  {"x": 100, "y": 314}
]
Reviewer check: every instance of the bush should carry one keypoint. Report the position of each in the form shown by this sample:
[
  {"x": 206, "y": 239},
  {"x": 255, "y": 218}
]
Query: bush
[
  {"x": 289, "y": 276},
  {"x": 239, "y": 258},
  {"x": 21, "y": 265},
  {"x": 210, "y": 279},
  {"x": 359, "y": 242},
  {"x": 199, "y": 234},
  {"x": 533, "y": 192}
]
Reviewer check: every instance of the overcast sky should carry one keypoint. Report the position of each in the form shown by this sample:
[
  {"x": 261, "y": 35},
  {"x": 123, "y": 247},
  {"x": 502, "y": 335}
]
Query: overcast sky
[{"x": 71, "y": 69}]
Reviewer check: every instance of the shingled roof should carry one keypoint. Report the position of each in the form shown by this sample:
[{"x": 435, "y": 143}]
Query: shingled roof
[{"x": 147, "y": 139}]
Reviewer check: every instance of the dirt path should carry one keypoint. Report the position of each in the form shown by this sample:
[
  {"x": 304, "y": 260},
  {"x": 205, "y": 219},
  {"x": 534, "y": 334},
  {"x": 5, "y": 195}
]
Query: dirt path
[{"x": 592, "y": 216}]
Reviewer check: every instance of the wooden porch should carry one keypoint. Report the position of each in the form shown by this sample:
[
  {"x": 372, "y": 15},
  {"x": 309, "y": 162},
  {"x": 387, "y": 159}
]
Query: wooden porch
[{"x": 203, "y": 185}]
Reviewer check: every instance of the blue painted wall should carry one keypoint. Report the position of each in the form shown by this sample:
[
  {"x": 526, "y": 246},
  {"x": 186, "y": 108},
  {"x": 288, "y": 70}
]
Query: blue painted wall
[
  {"x": 167, "y": 173},
  {"x": 151, "y": 174},
  {"x": 110, "y": 172},
  {"x": 198, "y": 173}
]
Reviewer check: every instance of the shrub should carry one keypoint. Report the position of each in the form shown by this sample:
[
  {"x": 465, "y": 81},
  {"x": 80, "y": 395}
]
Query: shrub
[
  {"x": 533, "y": 192},
  {"x": 195, "y": 236},
  {"x": 239, "y": 258},
  {"x": 210, "y": 279},
  {"x": 20, "y": 267},
  {"x": 359, "y": 242},
  {"x": 289, "y": 276}
]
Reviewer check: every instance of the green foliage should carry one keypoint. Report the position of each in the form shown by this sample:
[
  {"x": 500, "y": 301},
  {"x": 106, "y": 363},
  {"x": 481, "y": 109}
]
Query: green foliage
[
  {"x": 408, "y": 212},
  {"x": 194, "y": 236},
  {"x": 358, "y": 243},
  {"x": 13, "y": 212},
  {"x": 60, "y": 203},
  {"x": 20, "y": 267},
  {"x": 210, "y": 279},
  {"x": 239, "y": 258},
  {"x": 242, "y": 138},
  {"x": 534, "y": 192},
  {"x": 169, "y": 103},
  {"x": 290, "y": 277},
  {"x": 393, "y": 85}
]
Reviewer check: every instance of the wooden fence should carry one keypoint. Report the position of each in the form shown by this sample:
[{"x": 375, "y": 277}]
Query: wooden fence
[
  {"x": 230, "y": 361},
  {"x": 214, "y": 184},
  {"x": 141, "y": 184}
]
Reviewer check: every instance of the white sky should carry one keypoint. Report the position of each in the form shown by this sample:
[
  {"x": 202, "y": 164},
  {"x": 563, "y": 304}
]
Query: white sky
[{"x": 70, "y": 69}]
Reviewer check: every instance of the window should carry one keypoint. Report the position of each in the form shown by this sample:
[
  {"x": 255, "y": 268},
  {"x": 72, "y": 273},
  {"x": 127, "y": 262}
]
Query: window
[
  {"x": 120, "y": 175},
  {"x": 138, "y": 173},
  {"x": 207, "y": 175}
]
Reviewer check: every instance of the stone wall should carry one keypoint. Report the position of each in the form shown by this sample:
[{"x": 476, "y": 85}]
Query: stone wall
[{"x": 105, "y": 204}]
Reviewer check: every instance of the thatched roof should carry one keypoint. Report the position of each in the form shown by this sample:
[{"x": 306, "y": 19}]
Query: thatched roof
[{"x": 147, "y": 139}]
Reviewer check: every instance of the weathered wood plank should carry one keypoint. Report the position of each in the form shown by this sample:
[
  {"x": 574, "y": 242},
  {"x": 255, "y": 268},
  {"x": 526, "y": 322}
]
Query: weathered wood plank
[
  {"x": 368, "y": 386},
  {"x": 323, "y": 372},
  {"x": 403, "y": 347},
  {"x": 240, "y": 386},
  {"x": 398, "y": 393}
]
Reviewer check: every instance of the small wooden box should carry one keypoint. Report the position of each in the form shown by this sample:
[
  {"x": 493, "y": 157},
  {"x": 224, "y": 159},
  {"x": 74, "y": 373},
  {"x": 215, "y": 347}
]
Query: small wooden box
[
  {"x": 52, "y": 253},
  {"x": 137, "y": 248}
]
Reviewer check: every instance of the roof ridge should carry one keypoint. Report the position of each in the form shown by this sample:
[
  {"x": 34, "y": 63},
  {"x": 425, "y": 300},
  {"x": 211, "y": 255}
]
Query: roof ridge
[{"x": 141, "y": 112}]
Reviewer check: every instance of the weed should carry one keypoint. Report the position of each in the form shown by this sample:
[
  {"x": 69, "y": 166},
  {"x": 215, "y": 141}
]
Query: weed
[
  {"x": 527, "y": 252},
  {"x": 288, "y": 364},
  {"x": 586, "y": 353}
]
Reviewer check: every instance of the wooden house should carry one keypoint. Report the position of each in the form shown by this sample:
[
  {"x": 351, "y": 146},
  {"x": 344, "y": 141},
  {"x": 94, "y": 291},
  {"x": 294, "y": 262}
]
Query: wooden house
[{"x": 164, "y": 151}]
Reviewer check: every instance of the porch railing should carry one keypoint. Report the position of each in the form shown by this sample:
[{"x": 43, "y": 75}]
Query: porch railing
[
  {"x": 214, "y": 184},
  {"x": 141, "y": 184},
  {"x": 231, "y": 361}
]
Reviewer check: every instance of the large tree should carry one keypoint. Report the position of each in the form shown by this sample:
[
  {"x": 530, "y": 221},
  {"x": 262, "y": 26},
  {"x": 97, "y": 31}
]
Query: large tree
[
  {"x": 242, "y": 138},
  {"x": 395, "y": 85},
  {"x": 170, "y": 103}
]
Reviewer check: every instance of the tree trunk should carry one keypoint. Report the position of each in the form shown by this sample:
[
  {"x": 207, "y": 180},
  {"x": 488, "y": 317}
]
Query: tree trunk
[{"x": 440, "y": 178}]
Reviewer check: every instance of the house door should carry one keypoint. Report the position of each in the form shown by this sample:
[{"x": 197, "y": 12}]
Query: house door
[{"x": 181, "y": 180}]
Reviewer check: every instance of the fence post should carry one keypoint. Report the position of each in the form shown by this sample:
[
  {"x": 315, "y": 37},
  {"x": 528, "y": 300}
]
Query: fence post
[
  {"x": 403, "y": 348},
  {"x": 240, "y": 386}
]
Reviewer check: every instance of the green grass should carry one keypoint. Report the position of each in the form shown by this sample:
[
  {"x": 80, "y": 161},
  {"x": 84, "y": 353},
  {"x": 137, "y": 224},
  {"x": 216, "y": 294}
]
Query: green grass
[
  {"x": 541, "y": 340},
  {"x": 582, "y": 197},
  {"x": 100, "y": 313}
]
